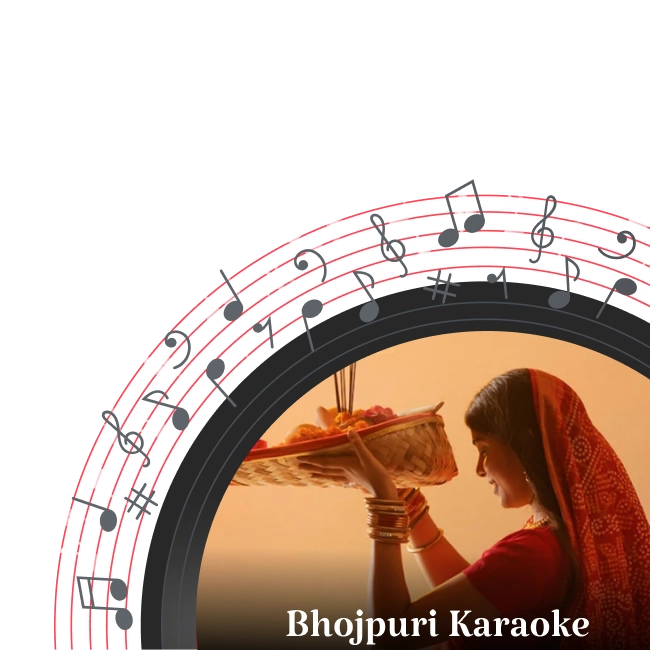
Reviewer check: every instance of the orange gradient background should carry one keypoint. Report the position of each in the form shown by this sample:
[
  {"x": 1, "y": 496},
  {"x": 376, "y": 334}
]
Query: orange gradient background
[{"x": 272, "y": 549}]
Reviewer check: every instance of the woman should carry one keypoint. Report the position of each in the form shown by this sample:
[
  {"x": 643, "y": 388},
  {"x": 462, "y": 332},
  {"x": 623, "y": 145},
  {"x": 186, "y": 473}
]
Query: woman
[{"x": 585, "y": 551}]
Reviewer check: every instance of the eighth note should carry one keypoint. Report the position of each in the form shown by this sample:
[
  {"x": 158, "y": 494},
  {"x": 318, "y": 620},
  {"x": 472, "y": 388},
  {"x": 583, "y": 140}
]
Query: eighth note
[
  {"x": 560, "y": 299},
  {"x": 234, "y": 309},
  {"x": 491, "y": 278},
  {"x": 625, "y": 286},
  {"x": 473, "y": 223},
  {"x": 370, "y": 310},
  {"x": 117, "y": 588},
  {"x": 541, "y": 230},
  {"x": 311, "y": 309},
  {"x": 137, "y": 445},
  {"x": 180, "y": 419},
  {"x": 621, "y": 238},
  {"x": 107, "y": 520},
  {"x": 215, "y": 369}
]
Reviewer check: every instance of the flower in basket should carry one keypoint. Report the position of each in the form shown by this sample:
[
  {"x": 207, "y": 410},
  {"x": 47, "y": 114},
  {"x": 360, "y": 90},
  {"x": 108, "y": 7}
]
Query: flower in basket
[{"x": 378, "y": 414}]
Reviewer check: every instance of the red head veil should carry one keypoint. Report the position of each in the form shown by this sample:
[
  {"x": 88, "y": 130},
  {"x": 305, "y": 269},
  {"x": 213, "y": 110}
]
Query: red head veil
[{"x": 604, "y": 518}]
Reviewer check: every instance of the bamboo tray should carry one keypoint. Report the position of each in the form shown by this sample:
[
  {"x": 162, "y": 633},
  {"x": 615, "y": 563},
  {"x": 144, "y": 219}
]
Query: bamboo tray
[{"x": 414, "y": 448}]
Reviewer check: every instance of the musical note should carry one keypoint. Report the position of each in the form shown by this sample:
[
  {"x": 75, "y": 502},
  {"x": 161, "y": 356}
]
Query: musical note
[
  {"x": 215, "y": 369},
  {"x": 560, "y": 299},
  {"x": 473, "y": 223},
  {"x": 139, "y": 440},
  {"x": 180, "y": 419},
  {"x": 302, "y": 264},
  {"x": 491, "y": 278},
  {"x": 107, "y": 520},
  {"x": 369, "y": 311},
  {"x": 233, "y": 309},
  {"x": 399, "y": 257},
  {"x": 171, "y": 343},
  {"x": 311, "y": 309},
  {"x": 117, "y": 589},
  {"x": 443, "y": 292},
  {"x": 541, "y": 230},
  {"x": 625, "y": 286},
  {"x": 621, "y": 238}
]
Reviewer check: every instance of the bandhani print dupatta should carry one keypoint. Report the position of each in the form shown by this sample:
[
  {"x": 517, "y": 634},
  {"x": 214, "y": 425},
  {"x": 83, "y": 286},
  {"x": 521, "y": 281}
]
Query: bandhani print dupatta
[{"x": 604, "y": 519}]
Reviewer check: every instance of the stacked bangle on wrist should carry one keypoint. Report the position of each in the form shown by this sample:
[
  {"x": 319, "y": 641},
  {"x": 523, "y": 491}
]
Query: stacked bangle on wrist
[
  {"x": 415, "y": 503},
  {"x": 387, "y": 520}
]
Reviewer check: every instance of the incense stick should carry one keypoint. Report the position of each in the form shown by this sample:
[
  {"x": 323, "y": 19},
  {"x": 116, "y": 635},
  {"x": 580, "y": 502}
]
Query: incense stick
[
  {"x": 336, "y": 390},
  {"x": 344, "y": 385}
]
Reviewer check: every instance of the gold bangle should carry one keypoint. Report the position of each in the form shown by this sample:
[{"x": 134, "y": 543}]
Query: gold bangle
[
  {"x": 381, "y": 508},
  {"x": 385, "y": 504},
  {"x": 406, "y": 494},
  {"x": 391, "y": 502},
  {"x": 389, "y": 540},
  {"x": 433, "y": 542},
  {"x": 388, "y": 520},
  {"x": 394, "y": 537}
]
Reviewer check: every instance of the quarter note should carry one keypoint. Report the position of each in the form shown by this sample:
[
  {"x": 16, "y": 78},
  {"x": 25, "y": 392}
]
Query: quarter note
[
  {"x": 117, "y": 589},
  {"x": 302, "y": 264},
  {"x": 259, "y": 328},
  {"x": 560, "y": 299},
  {"x": 370, "y": 310},
  {"x": 170, "y": 342},
  {"x": 233, "y": 309},
  {"x": 625, "y": 286},
  {"x": 473, "y": 223},
  {"x": 491, "y": 278},
  {"x": 540, "y": 227},
  {"x": 180, "y": 419},
  {"x": 215, "y": 369},
  {"x": 137, "y": 446},
  {"x": 107, "y": 520},
  {"x": 621, "y": 238},
  {"x": 311, "y": 309}
]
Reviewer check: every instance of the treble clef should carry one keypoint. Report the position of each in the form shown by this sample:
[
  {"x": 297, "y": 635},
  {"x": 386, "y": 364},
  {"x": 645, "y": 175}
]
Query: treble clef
[
  {"x": 540, "y": 227},
  {"x": 399, "y": 257},
  {"x": 138, "y": 442}
]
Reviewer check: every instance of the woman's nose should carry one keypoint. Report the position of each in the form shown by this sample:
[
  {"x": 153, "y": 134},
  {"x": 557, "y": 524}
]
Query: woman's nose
[{"x": 480, "y": 470}]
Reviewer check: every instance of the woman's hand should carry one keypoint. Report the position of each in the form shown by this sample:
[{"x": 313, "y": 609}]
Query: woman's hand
[
  {"x": 324, "y": 419},
  {"x": 363, "y": 469}
]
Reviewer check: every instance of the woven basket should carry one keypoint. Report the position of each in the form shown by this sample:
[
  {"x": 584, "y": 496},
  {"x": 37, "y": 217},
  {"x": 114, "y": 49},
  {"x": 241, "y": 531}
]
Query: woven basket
[{"x": 414, "y": 448}]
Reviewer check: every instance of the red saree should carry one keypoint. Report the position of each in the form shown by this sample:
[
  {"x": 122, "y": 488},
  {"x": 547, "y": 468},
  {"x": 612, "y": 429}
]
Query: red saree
[{"x": 604, "y": 518}]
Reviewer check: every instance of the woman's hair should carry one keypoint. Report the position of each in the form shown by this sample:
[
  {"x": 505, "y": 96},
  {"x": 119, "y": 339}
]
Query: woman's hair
[{"x": 505, "y": 410}]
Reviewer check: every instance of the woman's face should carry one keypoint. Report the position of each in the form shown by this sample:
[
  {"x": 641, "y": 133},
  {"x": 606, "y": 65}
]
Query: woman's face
[{"x": 501, "y": 466}]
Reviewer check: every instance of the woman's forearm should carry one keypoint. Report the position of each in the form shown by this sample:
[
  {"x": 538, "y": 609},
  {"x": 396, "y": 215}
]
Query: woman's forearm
[
  {"x": 438, "y": 561},
  {"x": 387, "y": 588}
]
